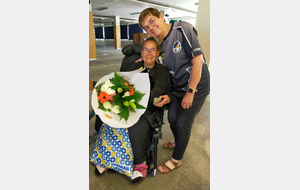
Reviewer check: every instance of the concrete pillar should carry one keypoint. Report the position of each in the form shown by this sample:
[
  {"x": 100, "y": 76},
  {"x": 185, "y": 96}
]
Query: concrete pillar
[
  {"x": 103, "y": 31},
  {"x": 92, "y": 42},
  {"x": 203, "y": 27},
  {"x": 127, "y": 32},
  {"x": 117, "y": 33}
]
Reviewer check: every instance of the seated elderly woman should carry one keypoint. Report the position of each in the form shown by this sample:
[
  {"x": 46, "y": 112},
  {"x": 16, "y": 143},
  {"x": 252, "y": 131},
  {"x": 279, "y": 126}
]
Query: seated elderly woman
[{"x": 139, "y": 133}]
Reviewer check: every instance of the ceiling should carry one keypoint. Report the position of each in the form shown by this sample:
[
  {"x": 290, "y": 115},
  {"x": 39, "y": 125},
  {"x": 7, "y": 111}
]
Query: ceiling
[{"x": 105, "y": 10}]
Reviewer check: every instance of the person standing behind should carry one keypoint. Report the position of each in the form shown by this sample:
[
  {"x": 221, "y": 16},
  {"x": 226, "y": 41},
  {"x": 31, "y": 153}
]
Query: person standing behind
[{"x": 183, "y": 58}]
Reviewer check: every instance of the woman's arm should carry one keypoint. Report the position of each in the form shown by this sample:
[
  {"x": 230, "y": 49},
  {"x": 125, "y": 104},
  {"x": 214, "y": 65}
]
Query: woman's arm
[{"x": 196, "y": 71}]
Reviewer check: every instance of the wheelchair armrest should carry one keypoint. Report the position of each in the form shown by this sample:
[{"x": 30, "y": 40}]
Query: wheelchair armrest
[{"x": 157, "y": 133}]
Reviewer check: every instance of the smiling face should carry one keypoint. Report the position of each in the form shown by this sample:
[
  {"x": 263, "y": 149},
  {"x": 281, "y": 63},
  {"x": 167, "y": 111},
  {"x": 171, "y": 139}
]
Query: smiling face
[
  {"x": 153, "y": 25},
  {"x": 149, "y": 53}
]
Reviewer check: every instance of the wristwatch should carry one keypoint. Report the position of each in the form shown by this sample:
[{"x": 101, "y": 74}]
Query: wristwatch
[{"x": 192, "y": 90}]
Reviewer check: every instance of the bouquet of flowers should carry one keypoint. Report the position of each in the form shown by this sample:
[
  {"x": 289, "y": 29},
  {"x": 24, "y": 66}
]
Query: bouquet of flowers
[{"x": 118, "y": 97}]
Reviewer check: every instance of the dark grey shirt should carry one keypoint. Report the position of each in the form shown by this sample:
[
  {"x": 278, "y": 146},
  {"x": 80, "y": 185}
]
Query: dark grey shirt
[{"x": 178, "y": 49}]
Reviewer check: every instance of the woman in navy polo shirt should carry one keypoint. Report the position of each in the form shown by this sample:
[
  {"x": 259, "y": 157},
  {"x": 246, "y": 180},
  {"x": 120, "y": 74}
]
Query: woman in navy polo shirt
[{"x": 183, "y": 57}]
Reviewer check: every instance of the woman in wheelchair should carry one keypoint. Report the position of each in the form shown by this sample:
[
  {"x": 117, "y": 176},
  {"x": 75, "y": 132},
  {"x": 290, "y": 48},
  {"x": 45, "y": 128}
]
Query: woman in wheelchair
[{"x": 160, "y": 97}]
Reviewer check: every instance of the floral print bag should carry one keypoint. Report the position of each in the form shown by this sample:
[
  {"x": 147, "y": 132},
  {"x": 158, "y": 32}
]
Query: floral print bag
[{"x": 113, "y": 150}]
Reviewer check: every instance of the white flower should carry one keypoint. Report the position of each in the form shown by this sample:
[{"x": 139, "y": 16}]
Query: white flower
[
  {"x": 115, "y": 109},
  {"x": 103, "y": 88},
  {"x": 107, "y": 105},
  {"x": 131, "y": 100},
  {"x": 110, "y": 91},
  {"x": 109, "y": 84},
  {"x": 126, "y": 94},
  {"x": 106, "y": 85}
]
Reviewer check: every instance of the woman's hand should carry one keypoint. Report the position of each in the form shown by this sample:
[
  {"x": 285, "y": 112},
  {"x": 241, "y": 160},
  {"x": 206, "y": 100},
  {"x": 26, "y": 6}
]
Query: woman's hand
[
  {"x": 139, "y": 60},
  {"x": 196, "y": 71},
  {"x": 187, "y": 100},
  {"x": 165, "y": 99}
]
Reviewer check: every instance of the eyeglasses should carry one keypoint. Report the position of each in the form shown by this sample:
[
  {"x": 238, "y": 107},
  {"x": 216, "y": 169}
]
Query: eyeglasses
[
  {"x": 151, "y": 22},
  {"x": 152, "y": 50}
]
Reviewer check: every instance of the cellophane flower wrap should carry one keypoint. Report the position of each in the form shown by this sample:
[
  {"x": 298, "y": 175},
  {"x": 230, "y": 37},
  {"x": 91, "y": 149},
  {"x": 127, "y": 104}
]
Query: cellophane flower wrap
[{"x": 121, "y": 98}]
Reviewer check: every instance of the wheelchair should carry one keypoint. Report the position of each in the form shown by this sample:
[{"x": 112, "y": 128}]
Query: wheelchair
[{"x": 132, "y": 52}]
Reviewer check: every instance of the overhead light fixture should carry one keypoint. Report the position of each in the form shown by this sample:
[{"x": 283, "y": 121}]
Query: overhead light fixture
[
  {"x": 135, "y": 13},
  {"x": 102, "y": 8},
  {"x": 163, "y": 7}
]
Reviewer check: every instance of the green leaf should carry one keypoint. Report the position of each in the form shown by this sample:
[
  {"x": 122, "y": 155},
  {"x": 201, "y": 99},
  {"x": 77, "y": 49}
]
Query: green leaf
[
  {"x": 139, "y": 106},
  {"x": 122, "y": 85},
  {"x": 116, "y": 81},
  {"x": 118, "y": 100},
  {"x": 101, "y": 106},
  {"x": 124, "y": 113},
  {"x": 114, "y": 87},
  {"x": 137, "y": 96},
  {"x": 98, "y": 88}
]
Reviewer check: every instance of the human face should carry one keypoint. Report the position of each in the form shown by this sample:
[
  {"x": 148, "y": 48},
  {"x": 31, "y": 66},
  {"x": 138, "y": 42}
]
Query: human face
[
  {"x": 149, "y": 56},
  {"x": 153, "y": 25}
]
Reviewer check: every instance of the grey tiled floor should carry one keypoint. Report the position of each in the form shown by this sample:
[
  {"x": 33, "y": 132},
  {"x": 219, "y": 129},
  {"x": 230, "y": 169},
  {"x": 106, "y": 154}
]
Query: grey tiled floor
[{"x": 194, "y": 174}]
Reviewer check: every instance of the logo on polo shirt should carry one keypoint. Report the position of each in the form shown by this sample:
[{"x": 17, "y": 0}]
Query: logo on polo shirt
[
  {"x": 176, "y": 47},
  {"x": 189, "y": 69}
]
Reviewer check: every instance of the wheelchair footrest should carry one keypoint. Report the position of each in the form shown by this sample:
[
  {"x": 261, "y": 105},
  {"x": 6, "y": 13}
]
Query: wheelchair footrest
[{"x": 152, "y": 173}]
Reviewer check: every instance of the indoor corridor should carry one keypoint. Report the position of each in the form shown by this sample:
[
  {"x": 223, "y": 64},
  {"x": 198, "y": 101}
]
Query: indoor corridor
[{"x": 194, "y": 173}]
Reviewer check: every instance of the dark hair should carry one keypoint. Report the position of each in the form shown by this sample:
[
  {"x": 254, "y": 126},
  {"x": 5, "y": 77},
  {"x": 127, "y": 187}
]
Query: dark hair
[
  {"x": 151, "y": 39},
  {"x": 146, "y": 12}
]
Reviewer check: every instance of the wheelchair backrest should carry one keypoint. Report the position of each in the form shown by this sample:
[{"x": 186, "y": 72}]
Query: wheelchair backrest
[{"x": 132, "y": 53}]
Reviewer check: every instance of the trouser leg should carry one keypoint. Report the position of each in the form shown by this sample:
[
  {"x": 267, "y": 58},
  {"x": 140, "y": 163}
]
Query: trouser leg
[
  {"x": 181, "y": 121},
  {"x": 139, "y": 135},
  {"x": 173, "y": 113},
  {"x": 98, "y": 123}
]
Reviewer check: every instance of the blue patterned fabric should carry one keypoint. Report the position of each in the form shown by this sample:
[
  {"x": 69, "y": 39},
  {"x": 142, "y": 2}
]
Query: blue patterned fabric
[{"x": 113, "y": 150}]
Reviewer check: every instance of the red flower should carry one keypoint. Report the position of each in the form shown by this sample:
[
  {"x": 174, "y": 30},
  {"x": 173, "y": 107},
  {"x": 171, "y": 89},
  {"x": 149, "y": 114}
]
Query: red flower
[
  {"x": 103, "y": 97},
  {"x": 110, "y": 97}
]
